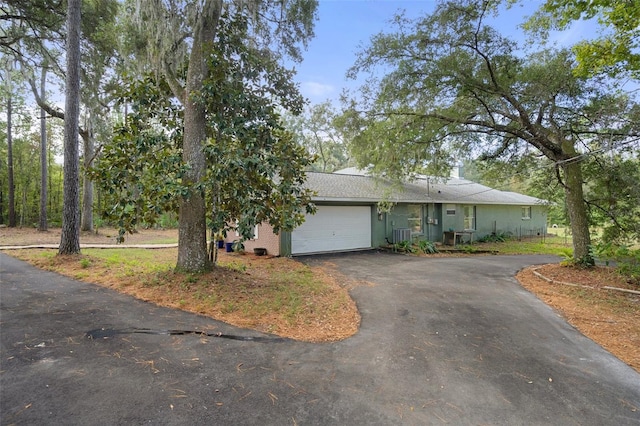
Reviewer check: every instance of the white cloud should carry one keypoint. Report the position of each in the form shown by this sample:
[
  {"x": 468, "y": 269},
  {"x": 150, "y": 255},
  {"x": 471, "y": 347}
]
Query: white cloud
[{"x": 315, "y": 89}]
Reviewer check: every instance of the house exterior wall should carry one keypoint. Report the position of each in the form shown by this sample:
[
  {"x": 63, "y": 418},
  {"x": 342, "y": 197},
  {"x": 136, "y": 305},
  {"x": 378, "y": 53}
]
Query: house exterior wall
[
  {"x": 378, "y": 227},
  {"x": 509, "y": 220},
  {"x": 496, "y": 218},
  {"x": 396, "y": 218},
  {"x": 488, "y": 219},
  {"x": 432, "y": 224},
  {"x": 266, "y": 239}
]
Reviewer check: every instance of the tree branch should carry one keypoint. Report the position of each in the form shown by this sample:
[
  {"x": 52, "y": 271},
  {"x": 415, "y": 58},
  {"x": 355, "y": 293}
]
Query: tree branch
[{"x": 42, "y": 104}]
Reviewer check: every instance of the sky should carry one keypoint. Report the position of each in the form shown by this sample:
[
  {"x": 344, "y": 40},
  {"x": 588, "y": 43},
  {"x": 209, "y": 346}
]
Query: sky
[{"x": 344, "y": 25}]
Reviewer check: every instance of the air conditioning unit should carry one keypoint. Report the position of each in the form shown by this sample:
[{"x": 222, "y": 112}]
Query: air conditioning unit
[{"x": 401, "y": 234}]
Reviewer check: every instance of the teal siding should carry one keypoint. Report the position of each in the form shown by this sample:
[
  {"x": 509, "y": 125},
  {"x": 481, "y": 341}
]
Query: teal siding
[
  {"x": 508, "y": 220},
  {"x": 285, "y": 243},
  {"x": 378, "y": 227},
  {"x": 435, "y": 220},
  {"x": 488, "y": 219}
]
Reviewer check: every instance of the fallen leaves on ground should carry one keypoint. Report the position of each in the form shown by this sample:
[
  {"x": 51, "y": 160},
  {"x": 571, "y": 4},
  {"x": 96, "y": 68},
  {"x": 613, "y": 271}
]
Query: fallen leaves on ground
[{"x": 610, "y": 318}]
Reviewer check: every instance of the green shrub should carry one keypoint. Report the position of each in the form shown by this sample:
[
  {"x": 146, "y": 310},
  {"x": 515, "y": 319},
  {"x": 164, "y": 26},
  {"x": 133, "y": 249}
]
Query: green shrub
[
  {"x": 427, "y": 247},
  {"x": 168, "y": 220},
  {"x": 237, "y": 246},
  {"x": 405, "y": 246},
  {"x": 626, "y": 259}
]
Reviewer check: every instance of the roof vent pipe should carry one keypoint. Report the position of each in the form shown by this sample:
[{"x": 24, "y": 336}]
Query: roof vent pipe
[{"x": 457, "y": 171}]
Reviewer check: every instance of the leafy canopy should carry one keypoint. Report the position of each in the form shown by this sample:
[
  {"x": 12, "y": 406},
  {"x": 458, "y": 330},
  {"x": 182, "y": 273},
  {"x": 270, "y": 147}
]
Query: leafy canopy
[
  {"x": 616, "y": 50},
  {"x": 454, "y": 86},
  {"x": 255, "y": 170}
]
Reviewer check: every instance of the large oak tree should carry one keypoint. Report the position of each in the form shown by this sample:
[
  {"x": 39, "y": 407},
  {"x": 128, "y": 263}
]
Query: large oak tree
[{"x": 453, "y": 84}]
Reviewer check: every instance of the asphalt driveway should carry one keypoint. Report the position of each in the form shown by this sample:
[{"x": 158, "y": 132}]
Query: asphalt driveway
[{"x": 443, "y": 341}]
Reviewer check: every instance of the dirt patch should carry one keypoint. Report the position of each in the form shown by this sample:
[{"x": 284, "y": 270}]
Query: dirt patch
[{"x": 610, "y": 318}]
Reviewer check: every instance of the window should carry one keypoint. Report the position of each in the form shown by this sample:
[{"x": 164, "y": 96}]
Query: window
[
  {"x": 469, "y": 217},
  {"x": 451, "y": 209},
  {"x": 526, "y": 213},
  {"x": 414, "y": 220}
]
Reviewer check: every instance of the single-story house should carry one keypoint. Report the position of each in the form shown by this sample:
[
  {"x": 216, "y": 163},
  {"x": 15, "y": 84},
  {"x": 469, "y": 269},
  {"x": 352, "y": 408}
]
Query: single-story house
[{"x": 348, "y": 216}]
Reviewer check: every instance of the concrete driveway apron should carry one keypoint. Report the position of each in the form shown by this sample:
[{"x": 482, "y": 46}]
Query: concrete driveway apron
[{"x": 442, "y": 341}]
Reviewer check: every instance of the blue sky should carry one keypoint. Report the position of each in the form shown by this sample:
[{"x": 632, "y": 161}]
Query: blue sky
[{"x": 343, "y": 25}]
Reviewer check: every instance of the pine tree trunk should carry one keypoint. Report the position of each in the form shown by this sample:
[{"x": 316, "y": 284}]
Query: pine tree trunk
[
  {"x": 70, "y": 238},
  {"x": 10, "y": 178},
  {"x": 43, "y": 225},
  {"x": 577, "y": 210},
  {"x": 87, "y": 184}
]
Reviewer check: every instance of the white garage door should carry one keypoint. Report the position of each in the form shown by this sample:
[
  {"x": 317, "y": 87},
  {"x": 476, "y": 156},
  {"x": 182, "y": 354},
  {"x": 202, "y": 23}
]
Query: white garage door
[{"x": 333, "y": 228}]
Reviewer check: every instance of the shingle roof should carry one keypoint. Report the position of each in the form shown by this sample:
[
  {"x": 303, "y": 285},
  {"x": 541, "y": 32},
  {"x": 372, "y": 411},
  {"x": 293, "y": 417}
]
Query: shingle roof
[
  {"x": 351, "y": 185},
  {"x": 357, "y": 188}
]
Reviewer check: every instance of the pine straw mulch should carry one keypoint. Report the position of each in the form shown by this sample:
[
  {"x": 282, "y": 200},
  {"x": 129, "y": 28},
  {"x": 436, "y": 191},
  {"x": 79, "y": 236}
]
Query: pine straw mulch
[
  {"x": 610, "y": 318},
  {"x": 268, "y": 294}
]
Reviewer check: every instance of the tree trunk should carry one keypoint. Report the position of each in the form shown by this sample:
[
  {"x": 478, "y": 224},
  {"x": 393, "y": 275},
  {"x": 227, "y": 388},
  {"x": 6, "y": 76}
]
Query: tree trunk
[
  {"x": 577, "y": 210},
  {"x": 87, "y": 184},
  {"x": 10, "y": 179},
  {"x": 192, "y": 228},
  {"x": 43, "y": 225},
  {"x": 70, "y": 238}
]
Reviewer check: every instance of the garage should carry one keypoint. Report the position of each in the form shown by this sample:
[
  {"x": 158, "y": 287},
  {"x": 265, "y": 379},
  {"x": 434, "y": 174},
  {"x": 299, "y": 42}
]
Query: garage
[{"x": 333, "y": 228}]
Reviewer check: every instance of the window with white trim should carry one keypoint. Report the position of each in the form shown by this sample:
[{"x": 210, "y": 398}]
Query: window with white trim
[
  {"x": 469, "y": 217},
  {"x": 526, "y": 213},
  {"x": 414, "y": 219}
]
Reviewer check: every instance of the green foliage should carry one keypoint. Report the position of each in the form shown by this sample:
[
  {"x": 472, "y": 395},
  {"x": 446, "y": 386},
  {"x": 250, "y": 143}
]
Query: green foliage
[
  {"x": 449, "y": 85},
  {"x": 405, "y": 246},
  {"x": 468, "y": 248},
  {"x": 627, "y": 259},
  {"x": 427, "y": 247},
  {"x": 569, "y": 259},
  {"x": 613, "y": 196},
  {"x": 238, "y": 246},
  {"x": 25, "y": 154},
  {"x": 235, "y": 266},
  {"x": 140, "y": 168},
  {"x": 317, "y": 129},
  {"x": 615, "y": 51},
  {"x": 168, "y": 220},
  {"x": 254, "y": 168}
]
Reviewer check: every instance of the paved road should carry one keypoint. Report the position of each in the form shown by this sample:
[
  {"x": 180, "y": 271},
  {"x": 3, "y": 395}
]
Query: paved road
[{"x": 443, "y": 341}]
